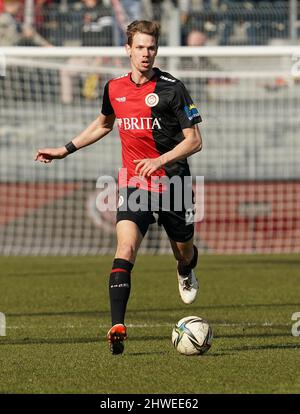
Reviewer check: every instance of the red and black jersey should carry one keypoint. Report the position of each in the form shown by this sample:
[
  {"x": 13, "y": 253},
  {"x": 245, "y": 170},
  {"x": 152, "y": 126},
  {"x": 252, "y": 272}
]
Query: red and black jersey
[{"x": 150, "y": 118}]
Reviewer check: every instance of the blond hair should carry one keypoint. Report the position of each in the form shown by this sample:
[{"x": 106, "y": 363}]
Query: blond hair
[{"x": 143, "y": 26}]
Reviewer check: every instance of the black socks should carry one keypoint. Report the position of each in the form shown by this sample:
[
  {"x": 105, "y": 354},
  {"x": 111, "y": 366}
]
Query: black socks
[
  {"x": 185, "y": 269},
  {"x": 119, "y": 289},
  {"x": 120, "y": 284}
]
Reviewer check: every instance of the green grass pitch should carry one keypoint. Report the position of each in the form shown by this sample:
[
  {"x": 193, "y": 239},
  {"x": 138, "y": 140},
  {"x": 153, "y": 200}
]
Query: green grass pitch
[{"x": 57, "y": 316}]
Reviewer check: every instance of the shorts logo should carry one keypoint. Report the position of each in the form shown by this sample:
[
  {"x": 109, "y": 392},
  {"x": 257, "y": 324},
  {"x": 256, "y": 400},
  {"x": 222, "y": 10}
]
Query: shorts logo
[
  {"x": 121, "y": 201},
  {"x": 151, "y": 99},
  {"x": 191, "y": 111}
]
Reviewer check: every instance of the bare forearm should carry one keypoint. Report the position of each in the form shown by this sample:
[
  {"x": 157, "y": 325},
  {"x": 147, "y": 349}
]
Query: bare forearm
[
  {"x": 91, "y": 134},
  {"x": 95, "y": 131},
  {"x": 191, "y": 144},
  {"x": 183, "y": 150}
]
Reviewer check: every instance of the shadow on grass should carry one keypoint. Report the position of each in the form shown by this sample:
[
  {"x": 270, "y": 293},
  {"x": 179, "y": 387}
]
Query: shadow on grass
[
  {"x": 101, "y": 338},
  {"x": 209, "y": 354},
  {"x": 137, "y": 354},
  {"x": 262, "y": 347},
  {"x": 135, "y": 311},
  {"x": 74, "y": 340},
  {"x": 253, "y": 335},
  {"x": 97, "y": 314},
  {"x": 251, "y": 260},
  {"x": 49, "y": 341}
]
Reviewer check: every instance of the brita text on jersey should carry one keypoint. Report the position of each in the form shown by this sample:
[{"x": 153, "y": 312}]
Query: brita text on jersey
[{"x": 138, "y": 123}]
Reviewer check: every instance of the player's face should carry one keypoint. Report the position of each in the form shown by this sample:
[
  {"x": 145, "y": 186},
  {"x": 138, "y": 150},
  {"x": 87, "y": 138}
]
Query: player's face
[{"x": 142, "y": 52}]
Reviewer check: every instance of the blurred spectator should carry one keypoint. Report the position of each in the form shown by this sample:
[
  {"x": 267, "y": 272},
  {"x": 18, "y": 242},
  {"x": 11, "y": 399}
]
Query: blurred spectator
[
  {"x": 196, "y": 38},
  {"x": 126, "y": 11},
  {"x": 184, "y": 10},
  {"x": 89, "y": 83},
  {"x": 132, "y": 9},
  {"x": 97, "y": 29},
  {"x": 41, "y": 14},
  {"x": 152, "y": 10},
  {"x": 15, "y": 33}
]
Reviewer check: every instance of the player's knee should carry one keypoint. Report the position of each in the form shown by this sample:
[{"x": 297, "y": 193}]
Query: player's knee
[
  {"x": 126, "y": 251},
  {"x": 187, "y": 256}
]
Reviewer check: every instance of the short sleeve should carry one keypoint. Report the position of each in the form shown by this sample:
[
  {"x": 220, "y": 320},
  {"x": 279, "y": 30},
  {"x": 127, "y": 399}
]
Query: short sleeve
[
  {"x": 107, "y": 108},
  {"x": 184, "y": 108}
]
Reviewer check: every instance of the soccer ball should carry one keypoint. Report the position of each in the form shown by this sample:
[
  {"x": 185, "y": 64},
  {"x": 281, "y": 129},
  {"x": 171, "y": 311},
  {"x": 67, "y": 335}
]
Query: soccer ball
[{"x": 192, "y": 335}]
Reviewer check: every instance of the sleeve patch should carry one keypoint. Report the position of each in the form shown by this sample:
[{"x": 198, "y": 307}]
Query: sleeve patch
[{"x": 191, "y": 111}]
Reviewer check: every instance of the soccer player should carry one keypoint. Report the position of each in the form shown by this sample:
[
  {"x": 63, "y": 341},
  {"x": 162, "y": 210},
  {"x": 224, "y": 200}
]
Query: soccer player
[{"x": 157, "y": 123}]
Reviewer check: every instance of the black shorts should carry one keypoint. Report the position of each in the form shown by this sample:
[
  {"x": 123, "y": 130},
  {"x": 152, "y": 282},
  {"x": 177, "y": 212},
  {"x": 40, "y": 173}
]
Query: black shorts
[{"x": 176, "y": 219}]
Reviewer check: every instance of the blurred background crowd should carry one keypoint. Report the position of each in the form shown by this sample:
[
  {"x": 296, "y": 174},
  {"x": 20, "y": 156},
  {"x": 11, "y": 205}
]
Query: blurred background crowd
[
  {"x": 249, "y": 100},
  {"x": 184, "y": 22}
]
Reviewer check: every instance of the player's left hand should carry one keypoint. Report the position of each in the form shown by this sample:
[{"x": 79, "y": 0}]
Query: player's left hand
[{"x": 147, "y": 166}]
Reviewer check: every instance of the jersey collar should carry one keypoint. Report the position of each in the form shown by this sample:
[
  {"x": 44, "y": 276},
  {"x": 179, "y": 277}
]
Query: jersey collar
[{"x": 154, "y": 77}]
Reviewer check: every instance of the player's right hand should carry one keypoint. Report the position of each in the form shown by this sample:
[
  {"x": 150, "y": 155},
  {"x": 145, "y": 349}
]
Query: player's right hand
[{"x": 48, "y": 154}]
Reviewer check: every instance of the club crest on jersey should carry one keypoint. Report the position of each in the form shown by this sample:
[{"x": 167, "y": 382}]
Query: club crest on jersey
[{"x": 151, "y": 99}]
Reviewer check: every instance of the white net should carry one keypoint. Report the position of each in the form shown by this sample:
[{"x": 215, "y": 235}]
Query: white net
[{"x": 249, "y": 99}]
